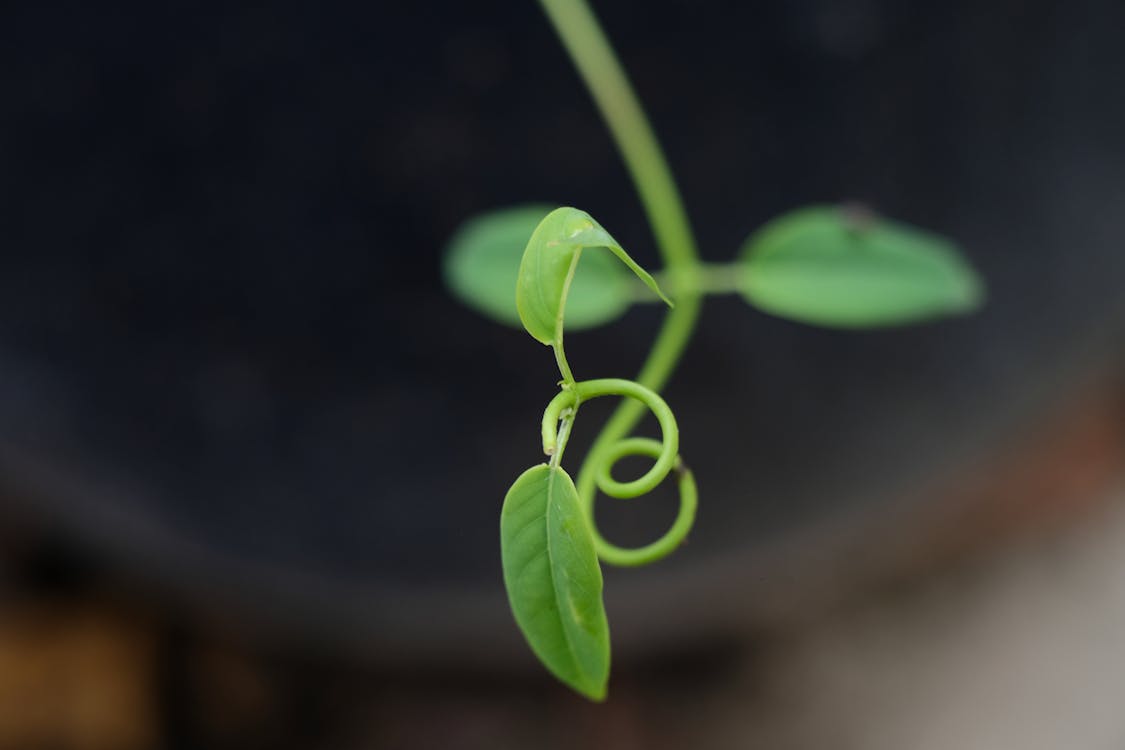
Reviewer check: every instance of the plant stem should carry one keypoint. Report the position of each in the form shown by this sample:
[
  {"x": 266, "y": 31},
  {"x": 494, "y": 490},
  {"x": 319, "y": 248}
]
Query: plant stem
[
  {"x": 713, "y": 279},
  {"x": 718, "y": 278},
  {"x": 604, "y": 77},
  {"x": 564, "y": 436}
]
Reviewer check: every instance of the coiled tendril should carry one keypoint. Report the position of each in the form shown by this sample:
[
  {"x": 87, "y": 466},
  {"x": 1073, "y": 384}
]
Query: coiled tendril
[{"x": 557, "y": 418}]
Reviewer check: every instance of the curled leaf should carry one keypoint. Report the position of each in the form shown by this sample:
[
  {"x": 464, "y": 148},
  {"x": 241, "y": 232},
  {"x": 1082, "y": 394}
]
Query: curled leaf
[
  {"x": 481, "y": 267},
  {"x": 548, "y": 268},
  {"x": 846, "y": 268},
  {"x": 553, "y": 579}
]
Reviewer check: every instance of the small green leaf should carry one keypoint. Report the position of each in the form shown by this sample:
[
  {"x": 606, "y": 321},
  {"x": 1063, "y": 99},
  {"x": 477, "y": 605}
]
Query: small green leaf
[
  {"x": 553, "y": 579},
  {"x": 549, "y": 263},
  {"x": 482, "y": 264},
  {"x": 843, "y": 267}
]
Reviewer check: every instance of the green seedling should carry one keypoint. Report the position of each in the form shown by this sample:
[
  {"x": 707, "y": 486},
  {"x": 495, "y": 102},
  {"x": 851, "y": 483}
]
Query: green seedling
[{"x": 835, "y": 266}]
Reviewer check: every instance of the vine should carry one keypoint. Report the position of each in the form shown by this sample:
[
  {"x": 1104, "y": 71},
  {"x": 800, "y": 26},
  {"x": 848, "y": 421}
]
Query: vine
[
  {"x": 564, "y": 623},
  {"x": 832, "y": 266}
]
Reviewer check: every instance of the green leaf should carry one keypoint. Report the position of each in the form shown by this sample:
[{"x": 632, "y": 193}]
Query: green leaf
[
  {"x": 549, "y": 264},
  {"x": 843, "y": 267},
  {"x": 553, "y": 579},
  {"x": 482, "y": 264}
]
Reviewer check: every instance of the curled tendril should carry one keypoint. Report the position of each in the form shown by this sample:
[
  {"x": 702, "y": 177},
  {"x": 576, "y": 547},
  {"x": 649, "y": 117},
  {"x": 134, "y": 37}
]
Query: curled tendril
[{"x": 665, "y": 452}]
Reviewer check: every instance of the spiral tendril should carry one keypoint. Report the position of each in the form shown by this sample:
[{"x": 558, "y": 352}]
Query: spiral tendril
[{"x": 665, "y": 452}]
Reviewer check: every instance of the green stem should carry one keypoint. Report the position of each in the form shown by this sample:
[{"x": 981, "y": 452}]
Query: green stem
[
  {"x": 604, "y": 77},
  {"x": 560, "y": 360},
  {"x": 712, "y": 279},
  {"x": 720, "y": 278}
]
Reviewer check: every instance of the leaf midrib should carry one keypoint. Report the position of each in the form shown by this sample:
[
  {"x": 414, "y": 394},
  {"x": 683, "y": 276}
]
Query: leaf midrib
[{"x": 552, "y": 475}]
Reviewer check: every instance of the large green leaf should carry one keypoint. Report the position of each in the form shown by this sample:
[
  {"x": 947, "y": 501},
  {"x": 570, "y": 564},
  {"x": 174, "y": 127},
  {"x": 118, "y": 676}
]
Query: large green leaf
[
  {"x": 549, "y": 262},
  {"x": 841, "y": 267},
  {"x": 482, "y": 264},
  {"x": 553, "y": 579}
]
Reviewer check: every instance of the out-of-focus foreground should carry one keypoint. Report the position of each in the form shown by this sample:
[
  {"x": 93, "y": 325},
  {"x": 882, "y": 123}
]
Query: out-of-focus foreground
[{"x": 1007, "y": 630}]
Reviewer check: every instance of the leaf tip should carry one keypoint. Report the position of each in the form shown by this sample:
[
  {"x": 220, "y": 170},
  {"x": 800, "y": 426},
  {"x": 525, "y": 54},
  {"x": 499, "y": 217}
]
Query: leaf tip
[
  {"x": 597, "y": 693},
  {"x": 592, "y": 689}
]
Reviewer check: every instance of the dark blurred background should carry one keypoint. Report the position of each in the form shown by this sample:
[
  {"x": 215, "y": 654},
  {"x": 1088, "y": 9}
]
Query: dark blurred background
[{"x": 252, "y": 453}]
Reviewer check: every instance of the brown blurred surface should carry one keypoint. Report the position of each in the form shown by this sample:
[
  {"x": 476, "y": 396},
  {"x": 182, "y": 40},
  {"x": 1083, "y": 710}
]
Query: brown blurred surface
[{"x": 76, "y": 675}]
